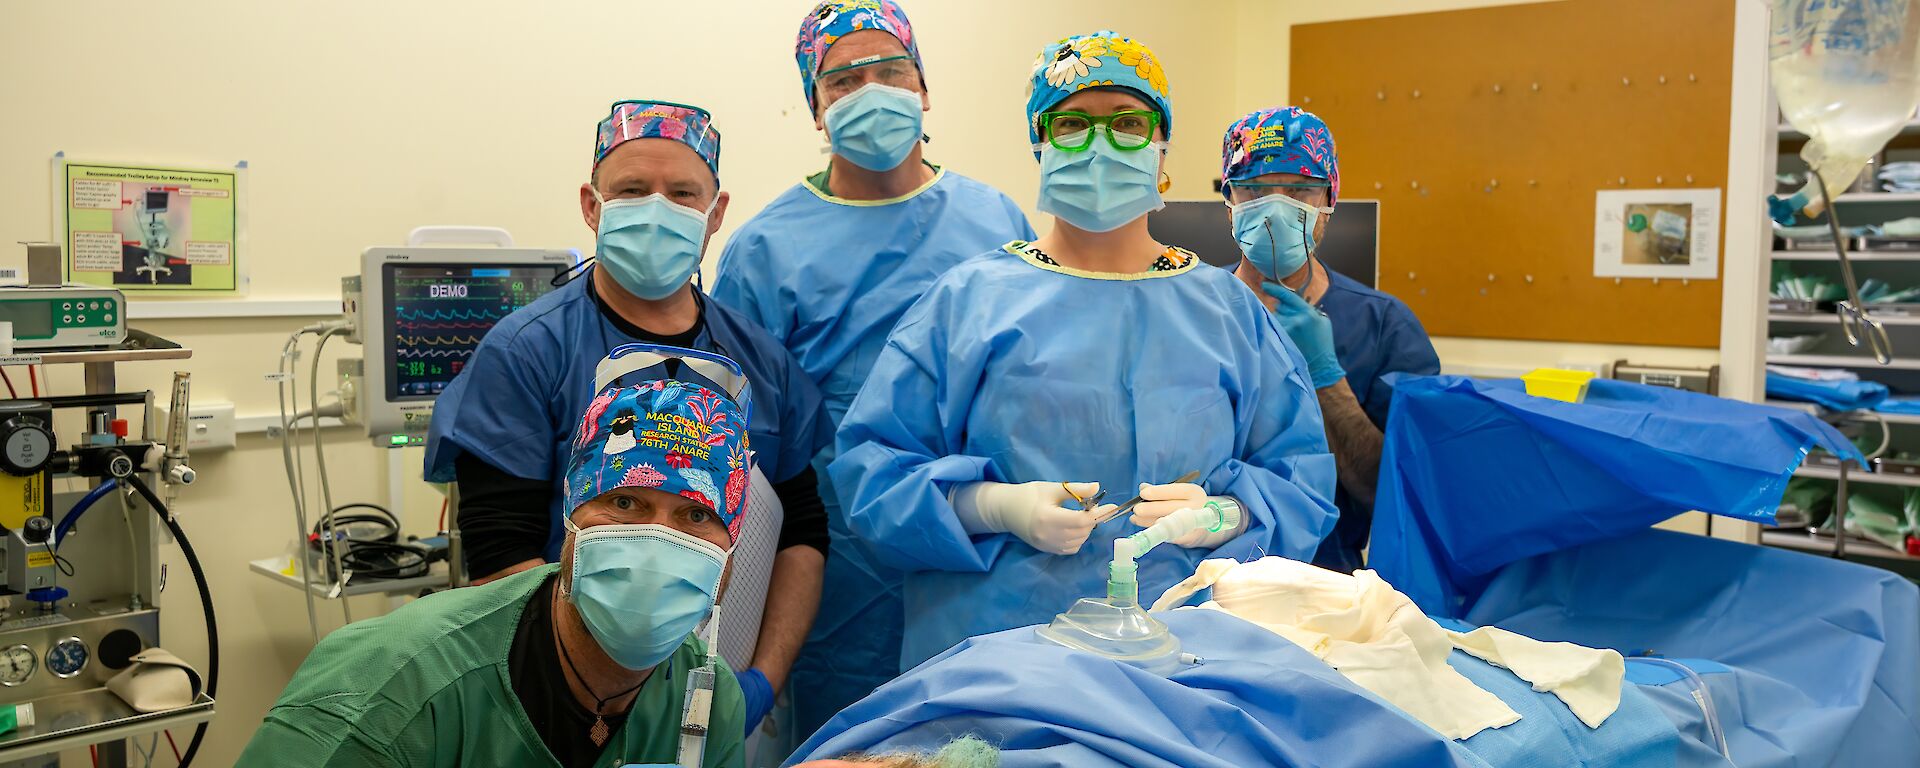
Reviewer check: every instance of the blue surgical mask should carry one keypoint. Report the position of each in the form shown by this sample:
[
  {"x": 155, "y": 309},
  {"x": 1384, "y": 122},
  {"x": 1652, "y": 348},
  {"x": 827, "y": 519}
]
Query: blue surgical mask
[
  {"x": 1276, "y": 233},
  {"x": 875, "y": 127},
  {"x": 649, "y": 245},
  {"x": 642, "y": 589},
  {"x": 1100, "y": 188}
]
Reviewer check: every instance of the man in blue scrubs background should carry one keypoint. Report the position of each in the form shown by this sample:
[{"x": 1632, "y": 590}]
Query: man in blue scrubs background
[
  {"x": 502, "y": 426},
  {"x": 831, "y": 264},
  {"x": 1281, "y": 176}
]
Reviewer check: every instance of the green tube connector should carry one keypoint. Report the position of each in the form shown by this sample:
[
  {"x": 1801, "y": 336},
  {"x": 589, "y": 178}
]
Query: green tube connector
[{"x": 1122, "y": 586}]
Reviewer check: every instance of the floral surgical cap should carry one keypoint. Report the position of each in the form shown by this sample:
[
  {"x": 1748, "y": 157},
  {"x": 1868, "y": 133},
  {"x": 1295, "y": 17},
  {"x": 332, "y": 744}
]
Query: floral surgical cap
[
  {"x": 1280, "y": 140},
  {"x": 834, "y": 19},
  {"x": 1103, "y": 58},
  {"x": 668, "y": 435},
  {"x": 631, "y": 120}
]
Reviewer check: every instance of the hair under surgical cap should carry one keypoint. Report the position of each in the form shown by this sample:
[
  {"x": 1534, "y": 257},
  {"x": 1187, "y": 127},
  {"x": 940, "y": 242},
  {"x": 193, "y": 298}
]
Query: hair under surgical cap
[
  {"x": 1280, "y": 140},
  {"x": 668, "y": 435},
  {"x": 1103, "y": 58},
  {"x": 629, "y": 120},
  {"x": 834, "y": 19}
]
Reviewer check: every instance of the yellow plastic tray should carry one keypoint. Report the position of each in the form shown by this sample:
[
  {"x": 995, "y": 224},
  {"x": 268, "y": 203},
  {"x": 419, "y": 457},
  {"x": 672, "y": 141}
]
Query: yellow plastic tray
[{"x": 1558, "y": 384}]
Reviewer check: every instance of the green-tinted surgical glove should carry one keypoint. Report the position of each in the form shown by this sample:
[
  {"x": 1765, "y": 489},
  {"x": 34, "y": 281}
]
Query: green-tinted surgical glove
[{"x": 1311, "y": 331}]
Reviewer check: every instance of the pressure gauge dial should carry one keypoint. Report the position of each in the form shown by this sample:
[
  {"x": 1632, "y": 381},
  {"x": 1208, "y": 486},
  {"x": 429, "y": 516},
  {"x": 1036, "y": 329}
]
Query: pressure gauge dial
[
  {"x": 17, "y": 664},
  {"x": 26, "y": 445},
  {"x": 67, "y": 658}
]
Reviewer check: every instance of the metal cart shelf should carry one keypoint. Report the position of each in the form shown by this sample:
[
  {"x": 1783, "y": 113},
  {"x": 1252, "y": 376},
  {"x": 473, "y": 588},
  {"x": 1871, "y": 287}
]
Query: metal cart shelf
[
  {"x": 106, "y": 718},
  {"x": 273, "y": 568}
]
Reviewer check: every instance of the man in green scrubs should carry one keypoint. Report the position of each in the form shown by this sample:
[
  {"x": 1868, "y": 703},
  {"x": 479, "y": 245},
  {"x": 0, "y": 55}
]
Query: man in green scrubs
[{"x": 581, "y": 663}]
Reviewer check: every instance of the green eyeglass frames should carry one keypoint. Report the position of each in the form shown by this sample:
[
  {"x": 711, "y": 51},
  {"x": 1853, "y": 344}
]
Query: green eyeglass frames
[{"x": 1129, "y": 129}]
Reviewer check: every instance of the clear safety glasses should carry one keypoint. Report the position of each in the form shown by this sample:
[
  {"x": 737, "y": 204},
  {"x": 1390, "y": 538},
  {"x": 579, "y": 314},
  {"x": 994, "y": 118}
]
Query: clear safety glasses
[
  {"x": 1313, "y": 193},
  {"x": 895, "y": 71},
  {"x": 723, "y": 372},
  {"x": 1128, "y": 129}
]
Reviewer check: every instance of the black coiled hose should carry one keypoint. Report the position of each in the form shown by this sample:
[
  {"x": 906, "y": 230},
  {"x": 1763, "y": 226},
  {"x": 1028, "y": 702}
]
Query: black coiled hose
[{"x": 206, "y": 605}]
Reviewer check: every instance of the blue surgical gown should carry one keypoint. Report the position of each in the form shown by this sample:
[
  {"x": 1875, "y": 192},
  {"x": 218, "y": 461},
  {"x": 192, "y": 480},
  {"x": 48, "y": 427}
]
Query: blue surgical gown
[
  {"x": 517, "y": 400},
  {"x": 828, "y": 278},
  {"x": 1374, "y": 334},
  {"x": 1013, "y": 371}
]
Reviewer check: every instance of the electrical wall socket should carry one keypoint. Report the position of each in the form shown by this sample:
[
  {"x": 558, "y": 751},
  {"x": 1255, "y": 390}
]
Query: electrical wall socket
[{"x": 209, "y": 425}]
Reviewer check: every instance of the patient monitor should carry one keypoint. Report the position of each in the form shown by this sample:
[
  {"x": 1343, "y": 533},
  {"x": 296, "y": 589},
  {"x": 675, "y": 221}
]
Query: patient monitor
[{"x": 418, "y": 314}]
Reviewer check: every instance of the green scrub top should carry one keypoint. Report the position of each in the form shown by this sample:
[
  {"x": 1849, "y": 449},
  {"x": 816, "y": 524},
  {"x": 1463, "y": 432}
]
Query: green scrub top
[{"x": 427, "y": 685}]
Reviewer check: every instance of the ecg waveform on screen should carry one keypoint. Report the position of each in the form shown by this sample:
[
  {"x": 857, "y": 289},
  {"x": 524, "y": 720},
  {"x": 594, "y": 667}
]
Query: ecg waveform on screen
[
  {"x": 488, "y": 315},
  {"x": 440, "y": 316},
  {"x": 443, "y": 326},
  {"x": 403, "y": 341}
]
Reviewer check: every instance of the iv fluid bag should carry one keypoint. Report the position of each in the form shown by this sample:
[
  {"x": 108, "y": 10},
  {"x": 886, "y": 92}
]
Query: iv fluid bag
[{"x": 1846, "y": 74}]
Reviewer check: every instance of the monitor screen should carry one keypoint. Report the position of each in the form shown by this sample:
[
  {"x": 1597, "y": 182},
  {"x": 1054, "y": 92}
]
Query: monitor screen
[
  {"x": 1352, "y": 245},
  {"x": 437, "y": 313},
  {"x": 1204, "y": 227}
]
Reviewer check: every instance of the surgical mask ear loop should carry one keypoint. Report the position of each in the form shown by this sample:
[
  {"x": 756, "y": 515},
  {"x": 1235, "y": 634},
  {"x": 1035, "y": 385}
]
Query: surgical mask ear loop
[
  {"x": 699, "y": 273},
  {"x": 570, "y": 273}
]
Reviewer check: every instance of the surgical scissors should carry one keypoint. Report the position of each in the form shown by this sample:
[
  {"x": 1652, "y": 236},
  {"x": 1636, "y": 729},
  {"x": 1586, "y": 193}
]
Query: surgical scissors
[
  {"x": 1087, "y": 504},
  {"x": 1855, "y": 321},
  {"x": 1129, "y": 504}
]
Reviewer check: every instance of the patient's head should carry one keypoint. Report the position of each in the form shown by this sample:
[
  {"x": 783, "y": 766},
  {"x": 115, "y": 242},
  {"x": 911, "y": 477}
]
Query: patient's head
[{"x": 966, "y": 752}]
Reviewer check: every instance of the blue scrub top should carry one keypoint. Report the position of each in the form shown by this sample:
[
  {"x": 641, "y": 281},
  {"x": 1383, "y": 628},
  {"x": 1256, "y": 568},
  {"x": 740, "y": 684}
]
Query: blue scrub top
[
  {"x": 1374, "y": 334},
  {"x": 828, "y": 277},
  {"x": 517, "y": 400}
]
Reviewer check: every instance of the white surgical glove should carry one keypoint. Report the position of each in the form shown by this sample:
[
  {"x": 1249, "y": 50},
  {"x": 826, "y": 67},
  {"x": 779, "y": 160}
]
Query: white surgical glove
[
  {"x": 1036, "y": 512},
  {"x": 1158, "y": 501}
]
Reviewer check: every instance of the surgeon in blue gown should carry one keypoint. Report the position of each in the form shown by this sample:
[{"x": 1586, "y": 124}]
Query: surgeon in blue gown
[
  {"x": 1281, "y": 175},
  {"x": 1091, "y": 360},
  {"x": 829, "y": 266},
  {"x": 502, "y": 426}
]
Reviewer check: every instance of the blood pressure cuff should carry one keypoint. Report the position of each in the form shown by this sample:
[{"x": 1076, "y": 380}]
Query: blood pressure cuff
[{"x": 157, "y": 681}]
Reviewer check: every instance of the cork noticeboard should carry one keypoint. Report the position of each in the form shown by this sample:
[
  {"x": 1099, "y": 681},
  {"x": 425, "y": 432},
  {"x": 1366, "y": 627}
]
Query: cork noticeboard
[{"x": 1485, "y": 135}]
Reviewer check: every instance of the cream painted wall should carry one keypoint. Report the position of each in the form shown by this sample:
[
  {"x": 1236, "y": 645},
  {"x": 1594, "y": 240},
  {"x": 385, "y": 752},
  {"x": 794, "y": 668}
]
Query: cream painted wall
[
  {"x": 361, "y": 120},
  {"x": 1262, "y": 40}
]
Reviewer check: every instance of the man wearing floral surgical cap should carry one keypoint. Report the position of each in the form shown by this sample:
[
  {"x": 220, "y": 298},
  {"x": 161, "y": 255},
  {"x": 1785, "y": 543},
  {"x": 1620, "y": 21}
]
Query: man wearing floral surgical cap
[
  {"x": 584, "y": 663},
  {"x": 862, "y": 239},
  {"x": 653, "y": 200},
  {"x": 1281, "y": 177}
]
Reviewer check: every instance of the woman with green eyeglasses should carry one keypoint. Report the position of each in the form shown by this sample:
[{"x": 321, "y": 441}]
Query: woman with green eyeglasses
[{"x": 1089, "y": 365}]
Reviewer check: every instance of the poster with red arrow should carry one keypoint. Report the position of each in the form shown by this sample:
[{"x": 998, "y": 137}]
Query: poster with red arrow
[{"x": 151, "y": 228}]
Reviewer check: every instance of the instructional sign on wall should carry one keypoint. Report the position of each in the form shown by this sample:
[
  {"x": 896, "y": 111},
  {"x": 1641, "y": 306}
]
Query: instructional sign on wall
[
  {"x": 1657, "y": 233},
  {"x": 150, "y": 227}
]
